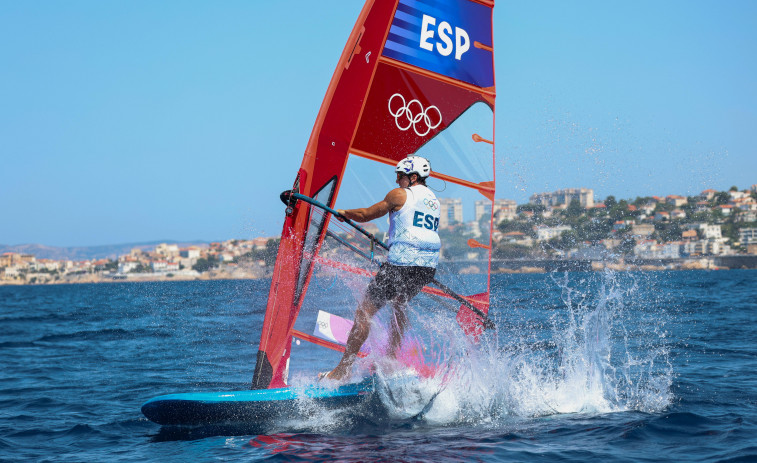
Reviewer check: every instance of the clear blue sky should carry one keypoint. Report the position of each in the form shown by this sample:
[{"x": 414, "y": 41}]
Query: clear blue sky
[{"x": 142, "y": 120}]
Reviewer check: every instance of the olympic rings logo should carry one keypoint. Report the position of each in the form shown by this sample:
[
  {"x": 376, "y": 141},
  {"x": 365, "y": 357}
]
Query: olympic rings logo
[
  {"x": 431, "y": 204},
  {"x": 412, "y": 114}
]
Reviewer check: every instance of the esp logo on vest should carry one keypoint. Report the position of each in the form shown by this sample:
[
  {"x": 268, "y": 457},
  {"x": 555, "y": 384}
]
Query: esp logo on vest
[
  {"x": 462, "y": 41},
  {"x": 427, "y": 221}
]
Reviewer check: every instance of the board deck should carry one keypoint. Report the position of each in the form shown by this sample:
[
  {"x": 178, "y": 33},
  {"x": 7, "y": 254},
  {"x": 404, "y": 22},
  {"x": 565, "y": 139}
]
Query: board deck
[{"x": 250, "y": 406}]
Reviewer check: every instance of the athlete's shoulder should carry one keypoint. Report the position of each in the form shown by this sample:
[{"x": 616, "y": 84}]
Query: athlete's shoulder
[{"x": 396, "y": 197}]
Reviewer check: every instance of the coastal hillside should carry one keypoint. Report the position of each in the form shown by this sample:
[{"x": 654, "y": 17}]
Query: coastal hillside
[{"x": 79, "y": 253}]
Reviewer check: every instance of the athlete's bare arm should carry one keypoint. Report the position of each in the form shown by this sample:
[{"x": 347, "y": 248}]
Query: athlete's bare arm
[{"x": 393, "y": 201}]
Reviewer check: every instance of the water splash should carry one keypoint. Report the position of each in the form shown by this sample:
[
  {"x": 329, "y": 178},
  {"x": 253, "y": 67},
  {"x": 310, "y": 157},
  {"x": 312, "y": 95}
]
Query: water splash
[
  {"x": 585, "y": 343},
  {"x": 601, "y": 350}
]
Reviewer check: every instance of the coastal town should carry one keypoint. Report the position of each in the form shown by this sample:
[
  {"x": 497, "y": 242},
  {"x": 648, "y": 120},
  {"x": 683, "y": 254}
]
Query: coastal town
[{"x": 569, "y": 225}]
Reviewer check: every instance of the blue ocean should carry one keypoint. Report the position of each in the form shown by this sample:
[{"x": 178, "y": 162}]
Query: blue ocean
[{"x": 648, "y": 366}]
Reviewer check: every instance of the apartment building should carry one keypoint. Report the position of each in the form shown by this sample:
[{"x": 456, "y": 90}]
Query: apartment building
[
  {"x": 450, "y": 212},
  {"x": 504, "y": 209},
  {"x": 585, "y": 196}
]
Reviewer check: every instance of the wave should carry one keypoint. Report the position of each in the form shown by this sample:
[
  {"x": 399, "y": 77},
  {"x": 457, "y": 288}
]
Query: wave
[
  {"x": 17, "y": 344},
  {"x": 108, "y": 334}
]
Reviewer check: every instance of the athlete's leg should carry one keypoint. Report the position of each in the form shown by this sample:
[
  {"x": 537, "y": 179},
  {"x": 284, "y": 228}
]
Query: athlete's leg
[
  {"x": 399, "y": 324},
  {"x": 358, "y": 335},
  {"x": 415, "y": 278}
]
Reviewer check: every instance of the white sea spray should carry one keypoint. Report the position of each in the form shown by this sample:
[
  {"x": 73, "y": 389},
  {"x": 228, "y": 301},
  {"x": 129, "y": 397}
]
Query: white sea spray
[{"x": 603, "y": 350}]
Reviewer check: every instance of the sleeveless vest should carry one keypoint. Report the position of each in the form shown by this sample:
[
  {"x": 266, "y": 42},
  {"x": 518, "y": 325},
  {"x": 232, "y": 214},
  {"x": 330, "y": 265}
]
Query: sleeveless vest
[{"x": 413, "y": 237}]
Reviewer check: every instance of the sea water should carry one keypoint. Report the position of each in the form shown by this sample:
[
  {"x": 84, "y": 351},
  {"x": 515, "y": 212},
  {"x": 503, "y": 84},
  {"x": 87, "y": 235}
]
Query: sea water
[{"x": 649, "y": 366}]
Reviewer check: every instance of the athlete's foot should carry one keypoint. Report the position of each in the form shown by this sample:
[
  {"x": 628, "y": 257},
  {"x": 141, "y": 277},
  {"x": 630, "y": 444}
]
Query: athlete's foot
[{"x": 339, "y": 373}]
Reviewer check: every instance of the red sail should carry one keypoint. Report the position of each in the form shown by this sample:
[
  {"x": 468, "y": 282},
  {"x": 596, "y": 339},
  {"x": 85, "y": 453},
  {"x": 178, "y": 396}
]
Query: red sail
[{"x": 413, "y": 78}]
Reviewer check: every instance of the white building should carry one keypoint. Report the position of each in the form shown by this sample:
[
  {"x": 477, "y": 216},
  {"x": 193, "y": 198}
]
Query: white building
[
  {"x": 701, "y": 206},
  {"x": 164, "y": 266},
  {"x": 547, "y": 233},
  {"x": 642, "y": 230},
  {"x": 748, "y": 236},
  {"x": 676, "y": 200},
  {"x": 504, "y": 209},
  {"x": 711, "y": 232},
  {"x": 706, "y": 248},
  {"x": 726, "y": 209},
  {"x": 747, "y": 216},
  {"x": 648, "y": 208},
  {"x": 450, "y": 212},
  {"x": 191, "y": 252},
  {"x": 168, "y": 250},
  {"x": 677, "y": 214},
  {"x": 127, "y": 266},
  {"x": 45, "y": 264},
  {"x": 10, "y": 272},
  {"x": 650, "y": 249},
  {"x": 671, "y": 250},
  {"x": 646, "y": 249},
  {"x": 737, "y": 195},
  {"x": 585, "y": 196},
  {"x": 653, "y": 250},
  {"x": 707, "y": 194}
]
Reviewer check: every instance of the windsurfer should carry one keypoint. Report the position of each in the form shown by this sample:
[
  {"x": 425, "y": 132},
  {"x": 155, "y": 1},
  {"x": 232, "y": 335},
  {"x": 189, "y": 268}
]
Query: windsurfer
[{"x": 413, "y": 255}]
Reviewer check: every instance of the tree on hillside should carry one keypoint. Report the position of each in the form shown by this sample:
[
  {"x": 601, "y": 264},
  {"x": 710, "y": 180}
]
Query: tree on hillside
[
  {"x": 267, "y": 254},
  {"x": 627, "y": 243},
  {"x": 574, "y": 209},
  {"x": 721, "y": 198},
  {"x": 664, "y": 207},
  {"x": 204, "y": 264},
  {"x": 511, "y": 251},
  {"x": 537, "y": 209},
  {"x": 703, "y": 217},
  {"x": 507, "y": 226},
  {"x": 141, "y": 268},
  {"x": 641, "y": 200},
  {"x": 594, "y": 230},
  {"x": 667, "y": 231},
  {"x": 730, "y": 230},
  {"x": 565, "y": 242},
  {"x": 619, "y": 211}
]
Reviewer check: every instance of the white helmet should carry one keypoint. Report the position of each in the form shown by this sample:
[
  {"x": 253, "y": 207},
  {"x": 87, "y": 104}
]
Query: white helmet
[{"x": 414, "y": 165}]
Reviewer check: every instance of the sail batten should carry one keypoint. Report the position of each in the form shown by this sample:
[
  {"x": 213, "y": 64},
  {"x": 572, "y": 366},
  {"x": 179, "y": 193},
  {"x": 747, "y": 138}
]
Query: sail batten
[
  {"x": 486, "y": 188},
  {"x": 488, "y": 91}
]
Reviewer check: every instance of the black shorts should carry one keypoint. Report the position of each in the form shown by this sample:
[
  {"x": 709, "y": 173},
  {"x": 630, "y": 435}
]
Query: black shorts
[{"x": 398, "y": 283}]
